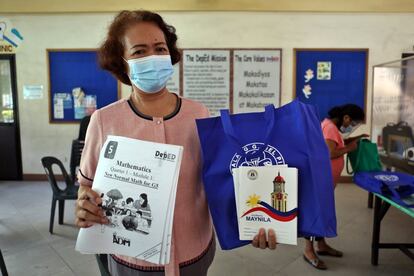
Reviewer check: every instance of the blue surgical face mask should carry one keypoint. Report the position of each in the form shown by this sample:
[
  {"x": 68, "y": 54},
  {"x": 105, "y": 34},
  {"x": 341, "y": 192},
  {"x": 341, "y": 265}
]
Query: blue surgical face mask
[
  {"x": 352, "y": 126},
  {"x": 150, "y": 74},
  {"x": 347, "y": 129}
]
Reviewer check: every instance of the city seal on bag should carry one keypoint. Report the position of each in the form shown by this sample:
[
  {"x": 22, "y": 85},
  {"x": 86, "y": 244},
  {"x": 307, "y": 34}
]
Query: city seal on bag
[
  {"x": 386, "y": 177},
  {"x": 256, "y": 154}
]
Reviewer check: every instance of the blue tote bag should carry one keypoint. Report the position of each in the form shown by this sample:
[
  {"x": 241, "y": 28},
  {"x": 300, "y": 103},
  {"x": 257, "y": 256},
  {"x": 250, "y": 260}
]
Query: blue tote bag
[
  {"x": 288, "y": 135},
  {"x": 394, "y": 185}
]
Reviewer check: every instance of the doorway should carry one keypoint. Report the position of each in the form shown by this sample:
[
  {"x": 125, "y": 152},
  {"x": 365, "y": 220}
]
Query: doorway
[{"x": 10, "y": 150}]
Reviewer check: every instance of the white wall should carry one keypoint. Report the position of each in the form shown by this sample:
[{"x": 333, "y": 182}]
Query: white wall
[{"x": 386, "y": 36}]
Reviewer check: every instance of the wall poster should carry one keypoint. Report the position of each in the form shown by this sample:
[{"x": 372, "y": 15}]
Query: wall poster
[{"x": 242, "y": 80}]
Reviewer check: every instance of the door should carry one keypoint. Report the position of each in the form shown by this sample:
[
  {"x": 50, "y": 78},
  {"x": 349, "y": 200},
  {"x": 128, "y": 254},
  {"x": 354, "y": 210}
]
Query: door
[{"x": 10, "y": 153}]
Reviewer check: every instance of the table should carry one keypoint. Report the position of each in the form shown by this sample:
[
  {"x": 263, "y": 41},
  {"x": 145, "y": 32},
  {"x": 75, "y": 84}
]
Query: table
[
  {"x": 393, "y": 161},
  {"x": 401, "y": 164},
  {"x": 382, "y": 204}
]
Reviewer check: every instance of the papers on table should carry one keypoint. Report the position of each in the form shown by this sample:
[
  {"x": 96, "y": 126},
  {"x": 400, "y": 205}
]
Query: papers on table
[
  {"x": 137, "y": 181},
  {"x": 266, "y": 197}
]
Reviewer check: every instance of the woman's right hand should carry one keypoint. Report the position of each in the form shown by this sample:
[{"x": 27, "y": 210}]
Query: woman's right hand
[
  {"x": 352, "y": 146},
  {"x": 88, "y": 210}
]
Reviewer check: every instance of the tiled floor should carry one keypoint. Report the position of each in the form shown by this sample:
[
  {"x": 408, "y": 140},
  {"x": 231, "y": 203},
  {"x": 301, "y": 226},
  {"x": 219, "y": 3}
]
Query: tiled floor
[{"x": 29, "y": 249}]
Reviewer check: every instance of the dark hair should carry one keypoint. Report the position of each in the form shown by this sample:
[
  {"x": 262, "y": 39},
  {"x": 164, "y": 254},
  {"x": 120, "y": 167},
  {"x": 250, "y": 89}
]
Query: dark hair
[
  {"x": 112, "y": 49},
  {"x": 139, "y": 213},
  {"x": 145, "y": 198},
  {"x": 129, "y": 200},
  {"x": 352, "y": 110}
]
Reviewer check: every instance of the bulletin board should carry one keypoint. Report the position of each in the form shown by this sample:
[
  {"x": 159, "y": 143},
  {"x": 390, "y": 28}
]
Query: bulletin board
[
  {"x": 330, "y": 77},
  {"x": 77, "y": 68}
]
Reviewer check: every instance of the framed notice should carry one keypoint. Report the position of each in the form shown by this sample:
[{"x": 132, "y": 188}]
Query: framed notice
[
  {"x": 206, "y": 78},
  {"x": 77, "y": 85},
  {"x": 241, "y": 80},
  {"x": 173, "y": 84},
  {"x": 256, "y": 79},
  {"x": 330, "y": 77}
]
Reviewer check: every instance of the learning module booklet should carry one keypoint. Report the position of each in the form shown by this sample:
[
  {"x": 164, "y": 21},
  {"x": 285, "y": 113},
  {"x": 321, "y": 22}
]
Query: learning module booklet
[
  {"x": 266, "y": 197},
  {"x": 137, "y": 181}
]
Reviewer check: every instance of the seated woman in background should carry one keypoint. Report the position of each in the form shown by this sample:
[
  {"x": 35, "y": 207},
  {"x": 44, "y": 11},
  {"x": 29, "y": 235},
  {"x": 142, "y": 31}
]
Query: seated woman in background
[{"x": 342, "y": 121}]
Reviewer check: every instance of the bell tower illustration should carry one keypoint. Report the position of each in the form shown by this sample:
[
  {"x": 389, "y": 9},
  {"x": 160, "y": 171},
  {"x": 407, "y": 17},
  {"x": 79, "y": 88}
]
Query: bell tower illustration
[{"x": 279, "y": 196}]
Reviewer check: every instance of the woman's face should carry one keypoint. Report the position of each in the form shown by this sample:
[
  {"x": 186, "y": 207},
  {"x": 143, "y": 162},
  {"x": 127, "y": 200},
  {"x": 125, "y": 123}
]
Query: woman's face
[
  {"x": 348, "y": 125},
  {"x": 347, "y": 121},
  {"x": 144, "y": 39}
]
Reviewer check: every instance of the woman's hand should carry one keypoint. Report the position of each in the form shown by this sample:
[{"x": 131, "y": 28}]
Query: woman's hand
[
  {"x": 88, "y": 210},
  {"x": 352, "y": 146},
  {"x": 260, "y": 239},
  {"x": 356, "y": 138}
]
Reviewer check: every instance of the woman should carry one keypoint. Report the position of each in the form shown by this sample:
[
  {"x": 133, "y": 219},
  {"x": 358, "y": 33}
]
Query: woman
[
  {"x": 142, "y": 203},
  {"x": 342, "y": 121},
  {"x": 142, "y": 206},
  {"x": 140, "y": 50}
]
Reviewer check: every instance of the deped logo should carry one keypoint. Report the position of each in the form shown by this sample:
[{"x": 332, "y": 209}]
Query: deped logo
[{"x": 165, "y": 156}]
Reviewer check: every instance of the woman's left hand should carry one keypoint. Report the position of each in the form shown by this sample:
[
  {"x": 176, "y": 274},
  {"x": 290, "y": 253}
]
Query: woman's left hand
[{"x": 260, "y": 241}]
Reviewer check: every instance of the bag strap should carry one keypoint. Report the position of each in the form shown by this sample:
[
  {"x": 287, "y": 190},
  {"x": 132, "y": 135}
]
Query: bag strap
[
  {"x": 348, "y": 170},
  {"x": 231, "y": 133},
  {"x": 358, "y": 159}
]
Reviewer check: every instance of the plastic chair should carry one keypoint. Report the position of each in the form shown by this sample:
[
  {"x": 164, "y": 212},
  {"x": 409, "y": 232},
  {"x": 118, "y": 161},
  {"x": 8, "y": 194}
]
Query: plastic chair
[
  {"x": 75, "y": 157},
  {"x": 83, "y": 127},
  {"x": 70, "y": 192}
]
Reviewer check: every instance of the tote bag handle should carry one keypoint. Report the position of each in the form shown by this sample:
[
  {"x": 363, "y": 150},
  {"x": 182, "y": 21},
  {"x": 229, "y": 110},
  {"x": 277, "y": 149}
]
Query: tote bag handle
[
  {"x": 231, "y": 133},
  {"x": 348, "y": 170},
  {"x": 358, "y": 159}
]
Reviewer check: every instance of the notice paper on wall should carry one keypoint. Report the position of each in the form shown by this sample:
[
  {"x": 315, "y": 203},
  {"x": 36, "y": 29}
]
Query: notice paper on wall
[
  {"x": 206, "y": 78},
  {"x": 58, "y": 112},
  {"x": 256, "y": 79},
  {"x": 32, "y": 92},
  {"x": 324, "y": 70},
  {"x": 61, "y": 101},
  {"x": 173, "y": 84}
]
